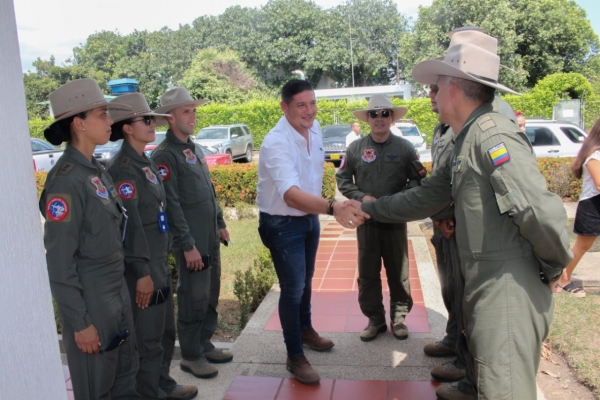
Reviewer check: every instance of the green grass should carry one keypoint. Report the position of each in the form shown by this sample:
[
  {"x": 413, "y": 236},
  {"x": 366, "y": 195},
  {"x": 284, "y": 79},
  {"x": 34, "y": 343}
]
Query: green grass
[{"x": 575, "y": 332}]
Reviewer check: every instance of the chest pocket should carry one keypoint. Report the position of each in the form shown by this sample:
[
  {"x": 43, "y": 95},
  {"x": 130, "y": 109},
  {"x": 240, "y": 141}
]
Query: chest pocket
[
  {"x": 194, "y": 182},
  {"x": 101, "y": 225}
]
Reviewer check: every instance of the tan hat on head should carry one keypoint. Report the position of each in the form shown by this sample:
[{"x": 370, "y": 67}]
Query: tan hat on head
[
  {"x": 465, "y": 28},
  {"x": 176, "y": 97},
  {"x": 380, "y": 102},
  {"x": 467, "y": 61},
  {"x": 139, "y": 108},
  {"x": 73, "y": 98}
]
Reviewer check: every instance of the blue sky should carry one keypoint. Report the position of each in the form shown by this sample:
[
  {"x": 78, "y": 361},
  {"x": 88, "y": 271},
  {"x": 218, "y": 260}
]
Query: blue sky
[{"x": 54, "y": 28}]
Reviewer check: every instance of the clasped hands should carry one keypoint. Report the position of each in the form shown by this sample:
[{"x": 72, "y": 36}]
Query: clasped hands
[{"x": 349, "y": 213}]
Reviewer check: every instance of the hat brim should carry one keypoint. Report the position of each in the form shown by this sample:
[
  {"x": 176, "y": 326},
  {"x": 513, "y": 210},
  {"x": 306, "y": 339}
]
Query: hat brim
[
  {"x": 428, "y": 72},
  {"x": 399, "y": 112},
  {"x": 100, "y": 104},
  {"x": 170, "y": 107}
]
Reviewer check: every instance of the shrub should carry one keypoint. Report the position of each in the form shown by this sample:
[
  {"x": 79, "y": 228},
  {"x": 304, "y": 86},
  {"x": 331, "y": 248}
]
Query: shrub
[
  {"x": 40, "y": 180},
  {"x": 252, "y": 285},
  {"x": 329, "y": 184},
  {"x": 244, "y": 211}
]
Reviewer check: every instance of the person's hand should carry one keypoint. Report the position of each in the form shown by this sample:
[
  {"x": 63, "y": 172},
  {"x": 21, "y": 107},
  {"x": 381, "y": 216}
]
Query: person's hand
[
  {"x": 555, "y": 287},
  {"x": 368, "y": 198},
  {"x": 446, "y": 226},
  {"x": 143, "y": 291},
  {"x": 224, "y": 233},
  {"x": 193, "y": 259},
  {"x": 349, "y": 213},
  {"x": 87, "y": 340}
]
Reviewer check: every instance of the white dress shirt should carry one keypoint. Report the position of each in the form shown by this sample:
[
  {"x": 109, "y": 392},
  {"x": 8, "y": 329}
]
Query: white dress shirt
[
  {"x": 284, "y": 162},
  {"x": 351, "y": 137}
]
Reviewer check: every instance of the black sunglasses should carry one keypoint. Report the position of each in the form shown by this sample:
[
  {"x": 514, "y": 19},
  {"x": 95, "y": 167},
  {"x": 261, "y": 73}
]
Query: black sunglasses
[
  {"x": 383, "y": 113},
  {"x": 146, "y": 118}
]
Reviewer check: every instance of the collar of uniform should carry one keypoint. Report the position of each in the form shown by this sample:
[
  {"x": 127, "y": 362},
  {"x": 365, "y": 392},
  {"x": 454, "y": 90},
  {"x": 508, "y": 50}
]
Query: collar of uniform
[
  {"x": 374, "y": 143},
  {"x": 130, "y": 152},
  {"x": 296, "y": 136},
  {"x": 77, "y": 157},
  {"x": 173, "y": 139},
  {"x": 479, "y": 111}
]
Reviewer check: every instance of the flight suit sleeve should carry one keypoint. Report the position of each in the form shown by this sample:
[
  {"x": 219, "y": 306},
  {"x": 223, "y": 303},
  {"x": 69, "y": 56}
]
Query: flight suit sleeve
[
  {"x": 220, "y": 220},
  {"x": 445, "y": 159},
  {"x": 520, "y": 190},
  {"x": 63, "y": 206},
  {"x": 346, "y": 174},
  {"x": 135, "y": 247},
  {"x": 415, "y": 170},
  {"x": 433, "y": 195},
  {"x": 177, "y": 223}
]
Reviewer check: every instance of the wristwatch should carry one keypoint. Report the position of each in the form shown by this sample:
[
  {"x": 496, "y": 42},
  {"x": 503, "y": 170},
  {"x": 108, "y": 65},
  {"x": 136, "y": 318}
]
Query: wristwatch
[{"x": 552, "y": 279}]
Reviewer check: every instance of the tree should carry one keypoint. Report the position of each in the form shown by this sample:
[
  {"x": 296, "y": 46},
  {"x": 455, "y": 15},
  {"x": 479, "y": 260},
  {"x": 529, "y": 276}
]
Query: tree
[{"x": 554, "y": 36}]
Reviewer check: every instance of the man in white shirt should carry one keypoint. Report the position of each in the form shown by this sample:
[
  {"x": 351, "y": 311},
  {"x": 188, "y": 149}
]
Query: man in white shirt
[
  {"x": 354, "y": 133},
  {"x": 290, "y": 178}
]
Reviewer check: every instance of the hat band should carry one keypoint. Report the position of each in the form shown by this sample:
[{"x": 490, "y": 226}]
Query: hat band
[
  {"x": 91, "y": 104},
  {"x": 483, "y": 78}
]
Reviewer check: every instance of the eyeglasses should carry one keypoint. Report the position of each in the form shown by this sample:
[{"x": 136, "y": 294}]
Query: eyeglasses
[
  {"x": 383, "y": 113},
  {"x": 146, "y": 118}
]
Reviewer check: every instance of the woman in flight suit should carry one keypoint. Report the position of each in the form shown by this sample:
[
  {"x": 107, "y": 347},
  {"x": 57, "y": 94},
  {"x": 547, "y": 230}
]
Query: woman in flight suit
[
  {"x": 146, "y": 247},
  {"x": 83, "y": 233}
]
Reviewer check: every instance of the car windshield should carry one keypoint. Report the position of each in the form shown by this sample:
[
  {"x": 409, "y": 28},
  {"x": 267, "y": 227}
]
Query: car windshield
[
  {"x": 409, "y": 130},
  {"x": 205, "y": 151},
  {"x": 212, "y": 133},
  {"x": 160, "y": 136},
  {"x": 336, "y": 131},
  {"x": 40, "y": 145}
]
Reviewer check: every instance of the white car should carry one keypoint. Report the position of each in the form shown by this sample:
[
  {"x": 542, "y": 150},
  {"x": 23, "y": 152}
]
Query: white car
[
  {"x": 554, "y": 138},
  {"x": 411, "y": 133}
]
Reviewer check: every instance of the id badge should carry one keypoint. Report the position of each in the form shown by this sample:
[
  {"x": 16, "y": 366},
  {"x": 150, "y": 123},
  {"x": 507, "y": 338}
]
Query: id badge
[{"x": 163, "y": 225}]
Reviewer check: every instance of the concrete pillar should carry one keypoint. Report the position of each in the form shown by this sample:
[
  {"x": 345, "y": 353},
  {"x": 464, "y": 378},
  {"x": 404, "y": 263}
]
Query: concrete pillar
[{"x": 30, "y": 366}]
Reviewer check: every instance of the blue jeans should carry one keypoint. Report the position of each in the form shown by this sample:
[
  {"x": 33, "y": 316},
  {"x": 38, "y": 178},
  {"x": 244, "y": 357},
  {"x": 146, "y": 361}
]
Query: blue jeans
[{"x": 293, "y": 242}]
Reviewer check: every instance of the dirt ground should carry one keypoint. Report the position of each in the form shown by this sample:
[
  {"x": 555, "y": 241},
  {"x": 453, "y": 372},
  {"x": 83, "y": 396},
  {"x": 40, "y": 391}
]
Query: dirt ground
[{"x": 555, "y": 377}]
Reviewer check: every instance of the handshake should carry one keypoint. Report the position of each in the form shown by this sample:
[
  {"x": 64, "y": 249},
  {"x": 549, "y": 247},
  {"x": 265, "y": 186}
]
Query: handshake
[{"x": 349, "y": 213}]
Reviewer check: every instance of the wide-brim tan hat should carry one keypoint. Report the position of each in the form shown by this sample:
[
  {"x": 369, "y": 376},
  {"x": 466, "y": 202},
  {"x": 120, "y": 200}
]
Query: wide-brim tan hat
[
  {"x": 73, "y": 98},
  {"x": 465, "y": 28},
  {"x": 175, "y": 98},
  {"x": 139, "y": 108},
  {"x": 478, "y": 38},
  {"x": 380, "y": 102},
  {"x": 467, "y": 61}
]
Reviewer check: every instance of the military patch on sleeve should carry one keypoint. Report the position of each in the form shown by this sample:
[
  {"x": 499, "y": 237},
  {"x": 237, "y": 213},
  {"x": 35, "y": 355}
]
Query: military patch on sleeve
[
  {"x": 486, "y": 123},
  {"x": 163, "y": 171},
  {"x": 343, "y": 162},
  {"x": 126, "y": 190},
  {"x": 125, "y": 161},
  {"x": 66, "y": 168},
  {"x": 499, "y": 154},
  {"x": 58, "y": 207}
]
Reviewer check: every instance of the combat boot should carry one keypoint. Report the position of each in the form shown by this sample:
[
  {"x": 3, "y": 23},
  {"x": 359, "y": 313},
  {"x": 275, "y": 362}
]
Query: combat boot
[
  {"x": 218, "y": 356},
  {"x": 400, "y": 330},
  {"x": 452, "y": 393},
  {"x": 312, "y": 339},
  {"x": 183, "y": 392},
  {"x": 448, "y": 372},
  {"x": 200, "y": 368},
  {"x": 371, "y": 332},
  {"x": 302, "y": 370},
  {"x": 439, "y": 349}
]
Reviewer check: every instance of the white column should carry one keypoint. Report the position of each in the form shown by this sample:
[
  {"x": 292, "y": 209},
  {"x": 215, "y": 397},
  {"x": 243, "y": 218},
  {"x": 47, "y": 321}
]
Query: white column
[{"x": 30, "y": 366}]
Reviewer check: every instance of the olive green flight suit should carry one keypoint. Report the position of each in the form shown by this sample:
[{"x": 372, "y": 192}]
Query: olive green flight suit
[
  {"x": 146, "y": 251},
  {"x": 508, "y": 229},
  {"x": 195, "y": 218},
  {"x": 84, "y": 253},
  {"x": 381, "y": 169}
]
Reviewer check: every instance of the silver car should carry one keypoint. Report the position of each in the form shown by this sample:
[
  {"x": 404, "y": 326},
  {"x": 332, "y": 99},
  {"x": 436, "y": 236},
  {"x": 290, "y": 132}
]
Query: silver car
[
  {"x": 235, "y": 140},
  {"x": 554, "y": 138}
]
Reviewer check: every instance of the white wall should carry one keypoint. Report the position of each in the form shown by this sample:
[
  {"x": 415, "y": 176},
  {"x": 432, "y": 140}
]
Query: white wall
[{"x": 30, "y": 366}]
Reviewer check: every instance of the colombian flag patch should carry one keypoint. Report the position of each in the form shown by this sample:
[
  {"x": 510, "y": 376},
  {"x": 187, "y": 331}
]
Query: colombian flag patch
[{"x": 499, "y": 154}]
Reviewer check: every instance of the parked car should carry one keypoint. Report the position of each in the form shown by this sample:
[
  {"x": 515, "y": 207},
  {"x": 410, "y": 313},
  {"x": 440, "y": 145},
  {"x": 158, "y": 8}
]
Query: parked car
[
  {"x": 411, "y": 133},
  {"x": 213, "y": 158},
  {"x": 334, "y": 141},
  {"x": 235, "y": 140},
  {"x": 104, "y": 152},
  {"x": 44, "y": 155},
  {"x": 159, "y": 137},
  {"x": 554, "y": 138}
]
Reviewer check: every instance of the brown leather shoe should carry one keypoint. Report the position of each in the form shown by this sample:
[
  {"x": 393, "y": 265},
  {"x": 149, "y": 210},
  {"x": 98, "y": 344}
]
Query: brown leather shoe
[
  {"x": 452, "y": 393},
  {"x": 302, "y": 370},
  {"x": 312, "y": 339},
  {"x": 447, "y": 372},
  {"x": 438, "y": 349}
]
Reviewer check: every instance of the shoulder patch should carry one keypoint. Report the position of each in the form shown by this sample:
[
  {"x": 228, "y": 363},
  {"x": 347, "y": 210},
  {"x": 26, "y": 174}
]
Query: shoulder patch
[
  {"x": 125, "y": 161},
  {"x": 58, "y": 208},
  {"x": 163, "y": 171},
  {"x": 163, "y": 145},
  {"x": 499, "y": 154},
  {"x": 343, "y": 162},
  {"x": 65, "y": 168},
  {"x": 126, "y": 190},
  {"x": 486, "y": 123}
]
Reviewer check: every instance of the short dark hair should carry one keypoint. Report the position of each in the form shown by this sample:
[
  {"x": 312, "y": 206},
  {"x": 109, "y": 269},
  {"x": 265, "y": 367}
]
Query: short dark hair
[
  {"x": 292, "y": 88},
  {"x": 474, "y": 90}
]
